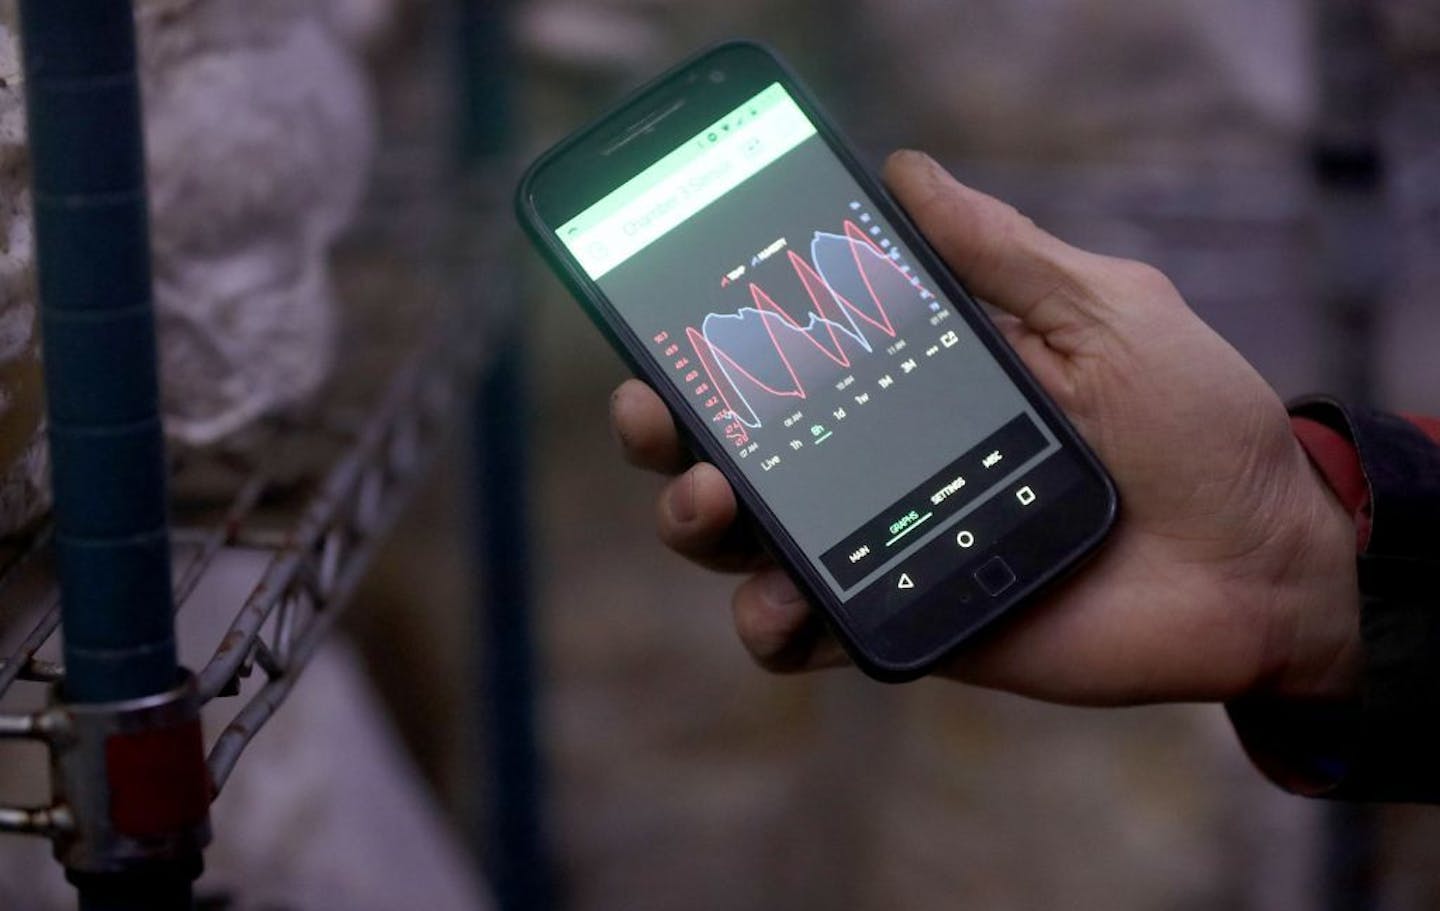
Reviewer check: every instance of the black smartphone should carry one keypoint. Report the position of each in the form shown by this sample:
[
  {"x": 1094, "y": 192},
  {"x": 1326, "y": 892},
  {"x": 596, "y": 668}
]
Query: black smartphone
[{"x": 891, "y": 449}]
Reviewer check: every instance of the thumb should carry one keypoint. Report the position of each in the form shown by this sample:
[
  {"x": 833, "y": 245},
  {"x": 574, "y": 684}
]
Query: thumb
[{"x": 995, "y": 251}]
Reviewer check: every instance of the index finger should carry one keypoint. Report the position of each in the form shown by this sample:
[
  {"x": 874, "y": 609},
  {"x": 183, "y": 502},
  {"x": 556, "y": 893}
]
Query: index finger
[{"x": 646, "y": 430}]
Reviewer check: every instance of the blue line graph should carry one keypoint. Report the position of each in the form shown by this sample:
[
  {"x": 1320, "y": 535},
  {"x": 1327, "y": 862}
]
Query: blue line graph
[{"x": 762, "y": 355}]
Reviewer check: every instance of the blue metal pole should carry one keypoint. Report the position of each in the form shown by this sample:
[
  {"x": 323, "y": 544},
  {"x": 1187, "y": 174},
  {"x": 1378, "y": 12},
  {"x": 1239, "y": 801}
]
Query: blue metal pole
[
  {"x": 107, "y": 451},
  {"x": 516, "y": 853},
  {"x": 106, "y": 446},
  {"x": 487, "y": 70},
  {"x": 515, "y": 847}
]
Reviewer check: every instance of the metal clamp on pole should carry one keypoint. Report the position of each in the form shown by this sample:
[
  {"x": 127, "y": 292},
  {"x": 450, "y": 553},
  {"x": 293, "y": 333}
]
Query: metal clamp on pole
[
  {"x": 133, "y": 776},
  {"x": 131, "y": 794}
]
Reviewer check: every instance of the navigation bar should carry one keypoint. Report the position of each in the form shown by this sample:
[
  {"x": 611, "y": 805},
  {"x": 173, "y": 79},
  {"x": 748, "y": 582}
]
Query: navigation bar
[{"x": 950, "y": 490}]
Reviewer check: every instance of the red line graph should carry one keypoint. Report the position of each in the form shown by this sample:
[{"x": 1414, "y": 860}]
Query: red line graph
[{"x": 832, "y": 320}]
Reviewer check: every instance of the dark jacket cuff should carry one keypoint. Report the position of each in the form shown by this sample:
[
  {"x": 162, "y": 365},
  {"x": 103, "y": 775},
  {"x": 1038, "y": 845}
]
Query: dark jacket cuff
[{"x": 1381, "y": 747}]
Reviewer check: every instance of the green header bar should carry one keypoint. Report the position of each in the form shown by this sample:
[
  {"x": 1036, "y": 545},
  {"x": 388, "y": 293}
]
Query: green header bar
[{"x": 661, "y": 197}]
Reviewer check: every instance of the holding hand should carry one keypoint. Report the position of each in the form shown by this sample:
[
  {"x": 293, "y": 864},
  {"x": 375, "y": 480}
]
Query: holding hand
[{"x": 1231, "y": 570}]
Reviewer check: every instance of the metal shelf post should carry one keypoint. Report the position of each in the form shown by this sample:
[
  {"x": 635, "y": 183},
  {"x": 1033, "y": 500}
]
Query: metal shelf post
[
  {"x": 129, "y": 761},
  {"x": 1354, "y": 265},
  {"x": 512, "y": 835}
]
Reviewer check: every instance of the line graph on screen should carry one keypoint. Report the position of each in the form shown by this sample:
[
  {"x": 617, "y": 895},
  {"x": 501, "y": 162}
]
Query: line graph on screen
[{"x": 762, "y": 355}]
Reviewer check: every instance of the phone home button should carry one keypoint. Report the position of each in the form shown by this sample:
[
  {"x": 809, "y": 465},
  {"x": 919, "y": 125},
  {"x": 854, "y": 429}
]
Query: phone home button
[{"x": 995, "y": 575}]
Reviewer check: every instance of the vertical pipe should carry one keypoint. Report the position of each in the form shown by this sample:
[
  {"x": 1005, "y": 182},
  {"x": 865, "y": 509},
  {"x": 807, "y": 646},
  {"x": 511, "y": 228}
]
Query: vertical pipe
[
  {"x": 1354, "y": 256},
  {"x": 107, "y": 450},
  {"x": 513, "y": 841},
  {"x": 93, "y": 261},
  {"x": 1348, "y": 164},
  {"x": 486, "y": 68}
]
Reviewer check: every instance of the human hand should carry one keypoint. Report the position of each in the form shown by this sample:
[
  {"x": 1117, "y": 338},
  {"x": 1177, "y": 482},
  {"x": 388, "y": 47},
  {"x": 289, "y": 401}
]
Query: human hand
[{"x": 1231, "y": 569}]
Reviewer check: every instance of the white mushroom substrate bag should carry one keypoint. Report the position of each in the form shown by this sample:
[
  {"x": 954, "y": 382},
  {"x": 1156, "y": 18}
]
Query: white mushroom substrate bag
[{"x": 259, "y": 135}]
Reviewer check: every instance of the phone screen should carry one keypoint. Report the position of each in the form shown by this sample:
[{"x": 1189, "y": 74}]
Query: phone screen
[{"x": 854, "y": 397}]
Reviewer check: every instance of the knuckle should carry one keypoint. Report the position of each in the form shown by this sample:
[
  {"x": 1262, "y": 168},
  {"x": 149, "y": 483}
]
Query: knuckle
[
  {"x": 1146, "y": 280},
  {"x": 1108, "y": 288}
]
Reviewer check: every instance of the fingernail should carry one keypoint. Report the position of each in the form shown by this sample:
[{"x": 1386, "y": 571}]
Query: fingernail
[
  {"x": 779, "y": 590},
  {"x": 933, "y": 171},
  {"x": 917, "y": 158},
  {"x": 682, "y": 499}
]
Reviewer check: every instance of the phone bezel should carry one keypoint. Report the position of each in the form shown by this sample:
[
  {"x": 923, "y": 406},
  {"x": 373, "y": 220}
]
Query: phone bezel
[{"x": 749, "y": 67}]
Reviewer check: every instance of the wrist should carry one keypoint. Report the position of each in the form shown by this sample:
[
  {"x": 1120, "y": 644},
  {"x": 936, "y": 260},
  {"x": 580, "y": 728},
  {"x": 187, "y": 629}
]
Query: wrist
[
  {"x": 1358, "y": 734},
  {"x": 1316, "y": 595}
]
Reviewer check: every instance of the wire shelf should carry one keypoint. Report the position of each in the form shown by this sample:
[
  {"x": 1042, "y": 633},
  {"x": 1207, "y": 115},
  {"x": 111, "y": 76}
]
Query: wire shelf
[
  {"x": 303, "y": 501},
  {"x": 349, "y": 485}
]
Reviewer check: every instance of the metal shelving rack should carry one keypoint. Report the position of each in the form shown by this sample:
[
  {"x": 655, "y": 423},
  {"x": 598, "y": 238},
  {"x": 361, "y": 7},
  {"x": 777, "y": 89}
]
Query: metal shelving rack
[{"x": 309, "y": 495}]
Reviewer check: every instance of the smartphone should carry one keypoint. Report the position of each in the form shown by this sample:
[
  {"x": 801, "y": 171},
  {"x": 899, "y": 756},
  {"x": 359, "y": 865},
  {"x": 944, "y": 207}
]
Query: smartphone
[{"x": 885, "y": 441}]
